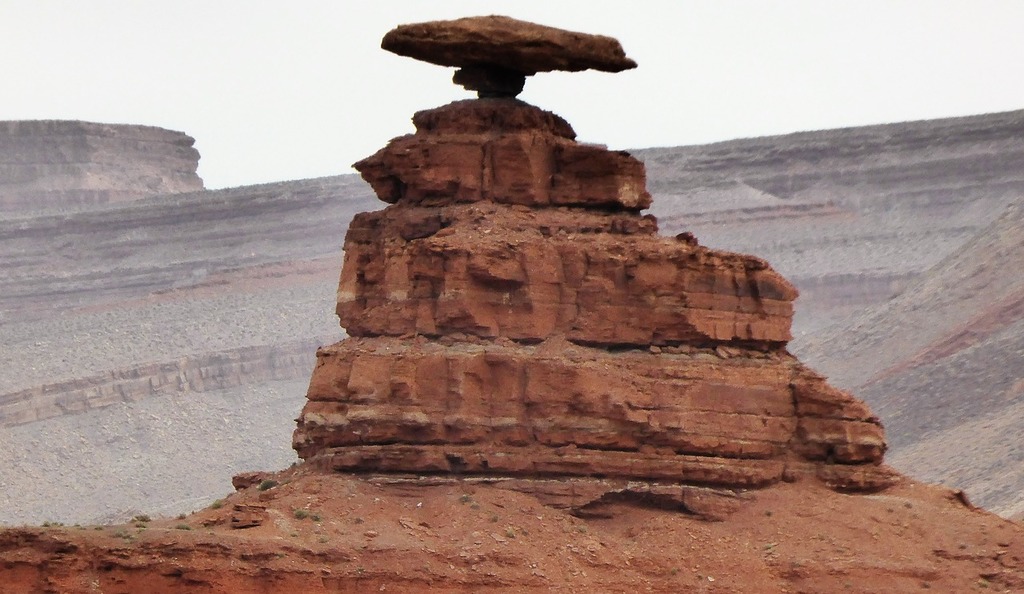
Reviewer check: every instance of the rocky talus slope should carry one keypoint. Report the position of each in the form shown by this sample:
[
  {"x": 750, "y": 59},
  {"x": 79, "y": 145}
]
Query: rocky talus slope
[
  {"x": 850, "y": 216},
  {"x": 54, "y": 164},
  {"x": 124, "y": 321},
  {"x": 946, "y": 361},
  {"x": 540, "y": 393}
]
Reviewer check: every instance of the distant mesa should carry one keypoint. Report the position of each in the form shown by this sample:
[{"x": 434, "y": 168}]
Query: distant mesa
[
  {"x": 495, "y": 54},
  {"x": 59, "y": 164}
]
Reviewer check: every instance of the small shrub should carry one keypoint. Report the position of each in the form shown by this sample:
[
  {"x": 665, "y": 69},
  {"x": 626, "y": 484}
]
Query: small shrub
[
  {"x": 465, "y": 499},
  {"x": 183, "y": 527},
  {"x": 300, "y": 514},
  {"x": 143, "y": 518},
  {"x": 316, "y": 518},
  {"x": 268, "y": 484},
  {"x": 217, "y": 504}
]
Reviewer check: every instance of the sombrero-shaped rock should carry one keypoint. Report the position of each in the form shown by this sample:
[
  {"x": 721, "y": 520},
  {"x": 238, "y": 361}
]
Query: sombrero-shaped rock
[{"x": 496, "y": 53}]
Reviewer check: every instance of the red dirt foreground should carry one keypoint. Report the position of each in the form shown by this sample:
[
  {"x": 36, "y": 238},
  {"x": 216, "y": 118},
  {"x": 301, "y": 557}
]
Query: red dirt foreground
[{"x": 541, "y": 394}]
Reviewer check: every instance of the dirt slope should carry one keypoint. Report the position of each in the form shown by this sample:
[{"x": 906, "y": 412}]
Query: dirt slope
[
  {"x": 943, "y": 364},
  {"x": 343, "y": 534}
]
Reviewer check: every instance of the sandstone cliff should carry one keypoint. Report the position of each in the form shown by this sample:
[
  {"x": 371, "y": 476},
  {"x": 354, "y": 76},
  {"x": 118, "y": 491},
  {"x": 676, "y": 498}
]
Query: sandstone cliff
[{"x": 51, "y": 164}]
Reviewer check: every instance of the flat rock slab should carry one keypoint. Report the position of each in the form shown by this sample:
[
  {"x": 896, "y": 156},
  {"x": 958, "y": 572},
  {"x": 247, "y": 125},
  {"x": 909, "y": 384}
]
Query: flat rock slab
[{"x": 508, "y": 43}]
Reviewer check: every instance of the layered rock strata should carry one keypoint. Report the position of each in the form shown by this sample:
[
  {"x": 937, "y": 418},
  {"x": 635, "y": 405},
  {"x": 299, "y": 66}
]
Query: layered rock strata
[
  {"x": 512, "y": 314},
  {"x": 66, "y": 164}
]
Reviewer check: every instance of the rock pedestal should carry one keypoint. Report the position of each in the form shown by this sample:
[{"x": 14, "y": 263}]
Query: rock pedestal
[{"x": 513, "y": 315}]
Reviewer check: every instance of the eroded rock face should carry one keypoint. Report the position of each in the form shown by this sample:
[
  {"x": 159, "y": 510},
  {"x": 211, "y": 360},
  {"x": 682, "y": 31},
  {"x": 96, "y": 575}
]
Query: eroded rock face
[
  {"x": 505, "y": 151},
  {"x": 492, "y": 271},
  {"x": 557, "y": 409},
  {"x": 514, "y": 316}
]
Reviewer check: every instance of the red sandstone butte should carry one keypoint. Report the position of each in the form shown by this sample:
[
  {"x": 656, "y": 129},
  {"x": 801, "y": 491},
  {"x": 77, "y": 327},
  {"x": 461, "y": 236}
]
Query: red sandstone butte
[{"x": 513, "y": 315}]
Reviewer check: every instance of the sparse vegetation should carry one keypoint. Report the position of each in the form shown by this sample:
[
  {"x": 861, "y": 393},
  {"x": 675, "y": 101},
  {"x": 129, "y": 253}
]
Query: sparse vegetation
[
  {"x": 142, "y": 518},
  {"x": 217, "y": 504},
  {"x": 267, "y": 484},
  {"x": 300, "y": 514},
  {"x": 183, "y": 527}
]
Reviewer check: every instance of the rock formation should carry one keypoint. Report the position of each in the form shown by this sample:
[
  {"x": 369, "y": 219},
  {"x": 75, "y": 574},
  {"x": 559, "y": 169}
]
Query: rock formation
[
  {"x": 513, "y": 315},
  {"x": 68, "y": 164},
  {"x": 535, "y": 386}
]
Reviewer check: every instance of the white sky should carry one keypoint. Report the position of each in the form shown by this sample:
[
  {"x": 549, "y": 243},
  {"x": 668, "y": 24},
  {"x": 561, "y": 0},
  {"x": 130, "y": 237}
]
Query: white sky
[{"x": 275, "y": 91}]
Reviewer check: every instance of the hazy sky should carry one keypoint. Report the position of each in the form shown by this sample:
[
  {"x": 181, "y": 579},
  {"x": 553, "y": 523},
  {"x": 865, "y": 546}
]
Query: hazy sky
[{"x": 274, "y": 91}]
